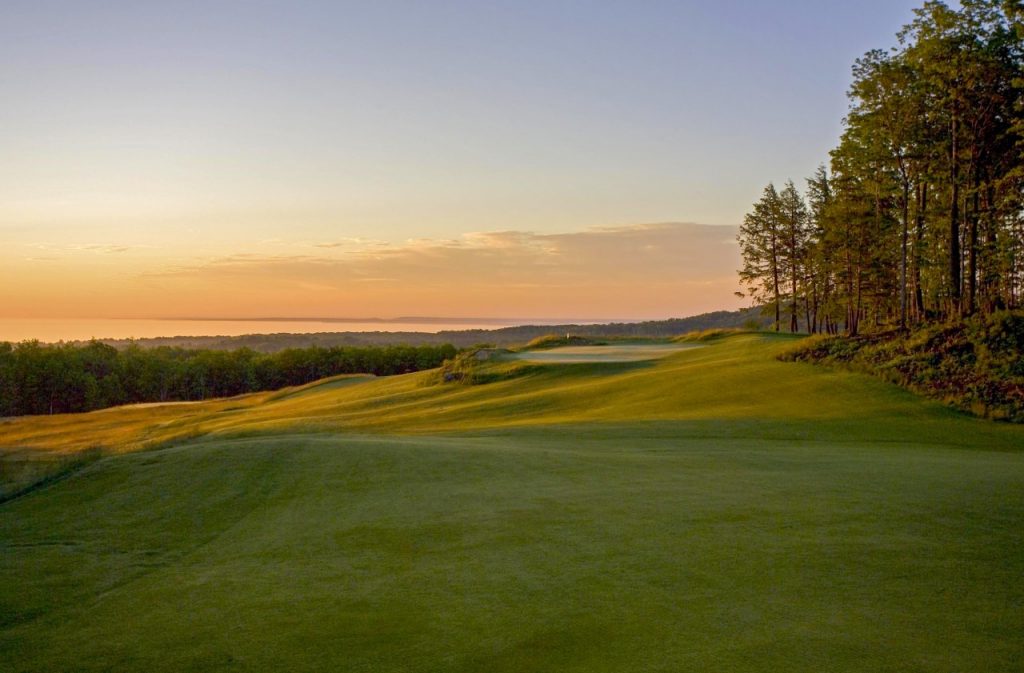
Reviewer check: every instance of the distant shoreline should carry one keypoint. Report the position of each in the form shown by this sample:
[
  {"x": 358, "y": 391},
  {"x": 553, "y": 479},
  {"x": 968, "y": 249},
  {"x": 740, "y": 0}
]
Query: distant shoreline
[
  {"x": 347, "y": 330},
  {"x": 271, "y": 336},
  {"x": 431, "y": 320}
]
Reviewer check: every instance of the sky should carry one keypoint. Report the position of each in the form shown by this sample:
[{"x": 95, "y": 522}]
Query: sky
[{"x": 543, "y": 159}]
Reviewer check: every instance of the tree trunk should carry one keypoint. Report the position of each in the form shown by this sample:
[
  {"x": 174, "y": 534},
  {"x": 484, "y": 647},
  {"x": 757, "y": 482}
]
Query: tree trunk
[
  {"x": 903, "y": 253},
  {"x": 972, "y": 249},
  {"x": 775, "y": 279},
  {"x": 794, "y": 323},
  {"x": 922, "y": 206},
  {"x": 851, "y": 320},
  {"x": 954, "y": 218},
  {"x": 991, "y": 268}
]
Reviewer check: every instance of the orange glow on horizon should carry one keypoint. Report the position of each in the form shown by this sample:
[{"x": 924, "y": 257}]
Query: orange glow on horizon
[{"x": 644, "y": 271}]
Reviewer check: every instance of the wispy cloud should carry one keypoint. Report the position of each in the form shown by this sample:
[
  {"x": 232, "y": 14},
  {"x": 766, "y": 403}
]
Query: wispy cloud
[
  {"x": 664, "y": 268},
  {"x": 107, "y": 249},
  {"x": 351, "y": 243},
  {"x": 98, "y": 248}
]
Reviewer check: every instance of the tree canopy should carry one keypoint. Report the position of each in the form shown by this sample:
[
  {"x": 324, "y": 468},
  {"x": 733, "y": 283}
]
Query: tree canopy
[
  {"x": 918, "y": 216},
  {"x": 45, "y": 379}
]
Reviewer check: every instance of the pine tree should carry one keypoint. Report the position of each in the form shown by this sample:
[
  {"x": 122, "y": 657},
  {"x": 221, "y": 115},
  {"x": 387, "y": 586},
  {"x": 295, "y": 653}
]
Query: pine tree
[
  {"x": 794, "y": 226},
  {"x": 760, "y": 240}
]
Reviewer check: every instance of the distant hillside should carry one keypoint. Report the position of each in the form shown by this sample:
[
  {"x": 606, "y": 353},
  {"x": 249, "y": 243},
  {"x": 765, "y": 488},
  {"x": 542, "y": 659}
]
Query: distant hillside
[{"x": 505, "y": 336}]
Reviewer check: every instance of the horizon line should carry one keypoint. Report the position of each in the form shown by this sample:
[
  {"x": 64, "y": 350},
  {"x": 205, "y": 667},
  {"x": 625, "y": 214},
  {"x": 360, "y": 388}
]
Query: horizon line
[{"x": 376, "y": 319}]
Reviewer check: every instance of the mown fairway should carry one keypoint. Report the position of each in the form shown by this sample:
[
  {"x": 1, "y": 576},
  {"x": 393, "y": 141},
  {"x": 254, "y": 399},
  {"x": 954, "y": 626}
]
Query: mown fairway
[{"x": 714, "y": 510}]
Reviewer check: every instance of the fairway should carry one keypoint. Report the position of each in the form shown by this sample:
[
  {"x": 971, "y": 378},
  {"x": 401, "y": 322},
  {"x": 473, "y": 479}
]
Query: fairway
[
  {"x": 711, "y": 510},
  {"x": 618, "y": 353}
]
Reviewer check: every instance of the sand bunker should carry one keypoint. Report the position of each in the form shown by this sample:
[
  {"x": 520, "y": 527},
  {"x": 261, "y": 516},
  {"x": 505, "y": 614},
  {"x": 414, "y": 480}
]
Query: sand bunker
[{"x": 624, "y": 353}]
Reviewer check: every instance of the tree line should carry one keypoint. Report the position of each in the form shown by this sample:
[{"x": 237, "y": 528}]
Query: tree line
[
  {"x": 47, "y": 379},
  {"x": 918, "y": 216}
]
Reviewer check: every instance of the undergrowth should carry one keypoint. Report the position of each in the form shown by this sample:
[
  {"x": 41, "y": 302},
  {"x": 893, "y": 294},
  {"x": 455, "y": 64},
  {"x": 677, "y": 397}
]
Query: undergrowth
[{"x": 976, "y": 365}]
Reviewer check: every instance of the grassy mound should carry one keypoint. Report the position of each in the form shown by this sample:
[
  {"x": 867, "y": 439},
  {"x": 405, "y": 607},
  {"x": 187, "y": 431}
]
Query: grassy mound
[
  {"x": 976, "y": 365},
  {"x": 477, "y": 366},
  {"x": 708, "y": 334},
  {"x": 557, "y": 340}
]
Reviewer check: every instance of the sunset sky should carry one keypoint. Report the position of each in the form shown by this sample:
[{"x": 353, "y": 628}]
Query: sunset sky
[{"x": 537, "y": 159}]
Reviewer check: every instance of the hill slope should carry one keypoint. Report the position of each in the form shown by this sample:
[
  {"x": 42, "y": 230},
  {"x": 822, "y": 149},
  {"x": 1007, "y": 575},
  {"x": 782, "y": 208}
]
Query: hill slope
[
  {"x": 712, "y": 510},
  {"x": 735, "y": 379}
]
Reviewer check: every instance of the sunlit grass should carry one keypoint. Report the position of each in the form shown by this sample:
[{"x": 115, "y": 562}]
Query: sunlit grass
[{"x": 736, "y": 378}]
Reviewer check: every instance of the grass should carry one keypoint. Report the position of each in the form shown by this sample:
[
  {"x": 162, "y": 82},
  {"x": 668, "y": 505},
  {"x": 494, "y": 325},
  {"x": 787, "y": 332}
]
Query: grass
[
  {"x": 556, "y": 341},
  {"x": 712, "y": 510},
  {"x": 732, "y": 383},
  {"x": 601, "y": 354},
  {"x": 711, "y": 334}
]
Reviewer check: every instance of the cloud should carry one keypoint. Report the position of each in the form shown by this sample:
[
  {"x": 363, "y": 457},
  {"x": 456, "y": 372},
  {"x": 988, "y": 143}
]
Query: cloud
[
  {"x": 99, "y": 248},
  {"x": 350, "y": 243},
  {"x": 107, "y": 249},
  {"x": 629, "y": 271}
]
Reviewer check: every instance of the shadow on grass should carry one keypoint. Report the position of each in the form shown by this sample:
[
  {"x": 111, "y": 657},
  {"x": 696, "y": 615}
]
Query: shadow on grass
[{"x": 21, "y": 476}]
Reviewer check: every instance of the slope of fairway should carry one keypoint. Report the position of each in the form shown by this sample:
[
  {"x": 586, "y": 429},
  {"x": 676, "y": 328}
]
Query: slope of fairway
[
  {"x": 731, "y": 384},
  {"x": 715, "y": 510}
]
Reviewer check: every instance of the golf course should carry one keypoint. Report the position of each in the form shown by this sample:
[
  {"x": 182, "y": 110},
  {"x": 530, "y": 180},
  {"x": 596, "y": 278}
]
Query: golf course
[{"x": 679, "y": 507}]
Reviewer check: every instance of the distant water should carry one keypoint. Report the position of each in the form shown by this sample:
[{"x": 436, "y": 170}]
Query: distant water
[{"x": 53, "y": 330}]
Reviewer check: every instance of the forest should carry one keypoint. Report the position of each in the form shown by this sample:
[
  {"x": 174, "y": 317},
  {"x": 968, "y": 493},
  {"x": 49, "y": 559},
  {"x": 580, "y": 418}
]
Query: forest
[
  {"x": 917, "y": 217},
  {"x": 62, "y": 378}
]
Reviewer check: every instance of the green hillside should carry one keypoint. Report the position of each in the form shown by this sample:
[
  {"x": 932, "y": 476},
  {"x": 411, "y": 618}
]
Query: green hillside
[
  {"x": 734, "y": 379},
  {"x": 715, "y": 509}
]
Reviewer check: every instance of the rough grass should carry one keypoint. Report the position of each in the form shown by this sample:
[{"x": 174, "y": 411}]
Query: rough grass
[{"x": 715, "y": 510}]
